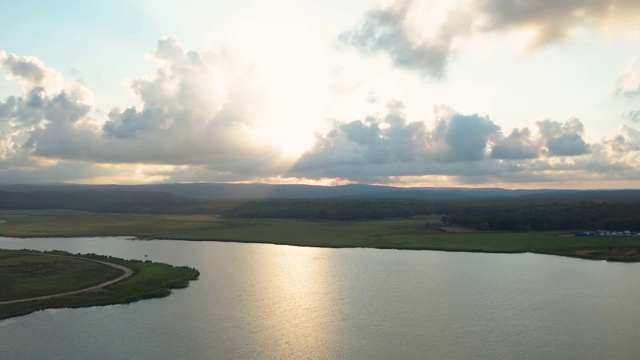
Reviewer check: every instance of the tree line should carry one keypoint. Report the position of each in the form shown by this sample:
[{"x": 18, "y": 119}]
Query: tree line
[
  {"x": 547, "y": 216},
  {"x": 529, "y": 214}
]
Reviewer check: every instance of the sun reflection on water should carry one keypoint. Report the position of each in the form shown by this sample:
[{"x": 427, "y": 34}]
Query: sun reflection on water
[{"x": 297, "y": 298}]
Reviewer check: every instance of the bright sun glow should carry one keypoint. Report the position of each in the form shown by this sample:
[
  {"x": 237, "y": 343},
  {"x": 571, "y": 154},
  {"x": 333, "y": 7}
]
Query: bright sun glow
[
  {"x": 278, "y": 91},
  {"x": 295, "y": 78}
]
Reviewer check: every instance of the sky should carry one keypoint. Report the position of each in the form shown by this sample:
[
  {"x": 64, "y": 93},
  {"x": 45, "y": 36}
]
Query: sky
[{"x": 447, "y": 93}]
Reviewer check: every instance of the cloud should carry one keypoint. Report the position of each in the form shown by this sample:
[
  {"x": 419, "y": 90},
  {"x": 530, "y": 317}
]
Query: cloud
[
  {"x": 633, "y": 116},
  {"x": 197, "y": 122},
  {"x": 563, "y": 139},
  {"x": 389, "y": 30},
  {"x": 188, "y": 90},
  {"x": 199, "y": 111},
  {"x": 30, "y": 71},
  {"x": 416, "y": 40},
  {"x": 372, "y": 141},
  {"x": 625, "y": 139},
  {"x": 552, "y": 21},
  {"x": 198, "y": 108},
  {"x": 170, "y": 49},
  {"x": 129, "y": 123},
  {"x": 628, "y": 86},
  {"x": 517, "y": 146},
  {"x": 23, "y": 118},
  {"x": 391, "y": 144},
  {"x": 461, "y": 137},
  {"x": 469, "y": 148},
  {"x": 553, "y": 139},
  {"x": 628, "y": 83},
  {"x": 453, "y": 138}
]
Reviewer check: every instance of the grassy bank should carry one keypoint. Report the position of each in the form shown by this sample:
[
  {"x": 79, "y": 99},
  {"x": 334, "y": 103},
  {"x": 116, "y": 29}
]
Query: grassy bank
[
  {"x": 151, "y": 280},
  {"x": 422, "y": 233},
  {"x": 25, "y": 275}
]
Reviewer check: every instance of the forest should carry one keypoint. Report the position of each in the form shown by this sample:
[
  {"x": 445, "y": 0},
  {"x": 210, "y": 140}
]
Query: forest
[
  {"x": 587, "y": 215},
  {"x": 525, "y": 213},
  {"x": 496, "y": 215}
]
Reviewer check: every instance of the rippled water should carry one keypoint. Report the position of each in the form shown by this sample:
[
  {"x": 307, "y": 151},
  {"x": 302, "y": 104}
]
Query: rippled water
[{"x": 257, "y": 301}]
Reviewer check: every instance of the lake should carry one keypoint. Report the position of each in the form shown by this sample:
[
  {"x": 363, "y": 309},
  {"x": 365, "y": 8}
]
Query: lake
[{"x": 261, "y": 301}]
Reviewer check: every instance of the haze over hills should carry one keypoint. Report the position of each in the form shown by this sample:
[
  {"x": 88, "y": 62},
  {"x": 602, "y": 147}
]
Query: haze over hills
[{"x": 258, "y": 191}]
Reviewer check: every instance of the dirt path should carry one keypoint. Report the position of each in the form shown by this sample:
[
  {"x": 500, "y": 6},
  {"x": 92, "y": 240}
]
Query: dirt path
[{"x": 128, "y": 272}]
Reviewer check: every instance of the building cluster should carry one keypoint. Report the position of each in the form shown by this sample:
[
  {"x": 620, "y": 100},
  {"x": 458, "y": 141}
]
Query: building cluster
[{"x": 607, "y": 233}]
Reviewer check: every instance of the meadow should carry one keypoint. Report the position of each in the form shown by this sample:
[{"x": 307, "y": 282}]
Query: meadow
[
  {"x": 24, "y": 275},
  {"x": 30, "y": 274},
  {"x": 418, "y": 233}
]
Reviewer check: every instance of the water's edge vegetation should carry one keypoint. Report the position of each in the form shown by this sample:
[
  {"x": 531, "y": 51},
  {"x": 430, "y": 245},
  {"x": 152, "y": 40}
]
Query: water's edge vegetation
[
  {"x": 150, "y": 280},
  {"x": 417, "y": 233}
]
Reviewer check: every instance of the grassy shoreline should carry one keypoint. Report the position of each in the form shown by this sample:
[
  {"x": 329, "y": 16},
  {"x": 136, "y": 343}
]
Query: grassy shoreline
[
  {"x": 25, "y": 275},
  {"x": 421, "y": 233},
  {"x": 150, "y": 280}
]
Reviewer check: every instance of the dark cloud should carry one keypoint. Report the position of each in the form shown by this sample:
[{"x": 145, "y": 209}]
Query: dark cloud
[
  {"x": 36, "y": 98},
  {"x": 384, "y": 140},
  {"x": 26, "y": 68},
  {"x": 519, "y": 145},
  {"x": 131, "y": 122},
  {"x": 393, "y": 29},
  {"x": 567, "y": 145},
  {"x": 552, "y": 21},
  {"x": 563, "y": 139},
  {"x": 462, "y": 138},
  {"x": 553, "y": 139},
  {"x": 22, "y": 112},
  {"x": 387, "y": 30},
  {"x": 470, "y": 148},
  {"x": 66, "y": 107},
  {"x": 392, "y": 145}
]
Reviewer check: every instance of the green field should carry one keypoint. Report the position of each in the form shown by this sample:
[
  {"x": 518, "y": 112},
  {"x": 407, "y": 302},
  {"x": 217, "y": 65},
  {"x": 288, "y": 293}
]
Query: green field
[
  {"x": 30, "y": 274},
  {"x": 421, "y": 233},
  {"x": 25, "y": 275}
]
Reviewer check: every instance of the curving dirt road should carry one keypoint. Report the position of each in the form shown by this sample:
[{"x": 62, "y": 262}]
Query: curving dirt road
[{"x": 128, "y": 272}]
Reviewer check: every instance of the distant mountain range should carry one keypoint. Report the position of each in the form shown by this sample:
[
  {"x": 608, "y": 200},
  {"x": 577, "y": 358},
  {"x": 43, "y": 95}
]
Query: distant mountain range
[{"x": 226, "y": 191}]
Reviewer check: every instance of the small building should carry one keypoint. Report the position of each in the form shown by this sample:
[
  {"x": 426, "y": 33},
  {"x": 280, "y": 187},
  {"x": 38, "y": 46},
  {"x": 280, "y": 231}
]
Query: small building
[{"x": 585, "y": 233}]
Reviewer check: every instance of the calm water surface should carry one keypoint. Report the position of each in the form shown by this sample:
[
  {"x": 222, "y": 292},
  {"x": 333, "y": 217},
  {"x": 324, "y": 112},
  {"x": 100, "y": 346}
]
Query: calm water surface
[{"x": 257, "y": 301}]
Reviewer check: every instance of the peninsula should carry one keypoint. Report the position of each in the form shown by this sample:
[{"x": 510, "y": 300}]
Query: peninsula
[{"x": 32, "y": 280}]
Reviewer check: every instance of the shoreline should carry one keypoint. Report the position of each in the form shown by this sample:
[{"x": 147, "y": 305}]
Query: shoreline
[
  {"x": 594, "y": 254},
  {"x": 398, "y": 234},
  {"x": 143, "y": 280},
  {"x": 127, "y": 273}
]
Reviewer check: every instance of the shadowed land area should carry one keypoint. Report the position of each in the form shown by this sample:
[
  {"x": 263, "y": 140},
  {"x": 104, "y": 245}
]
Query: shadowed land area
[
  {"x": 58, "y": 279},
  {"x": 481, "y": 209},
  {"x": 418, "y": 233},
  {"x": 26, "y": 276}
]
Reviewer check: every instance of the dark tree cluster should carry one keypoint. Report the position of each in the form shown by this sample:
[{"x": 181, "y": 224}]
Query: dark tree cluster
[
  {"x": 548, "y": 216},
  {"x": 557, "y": 211}
]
